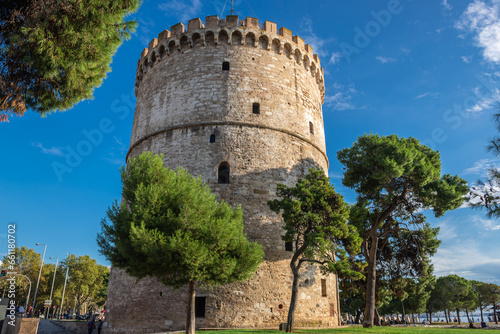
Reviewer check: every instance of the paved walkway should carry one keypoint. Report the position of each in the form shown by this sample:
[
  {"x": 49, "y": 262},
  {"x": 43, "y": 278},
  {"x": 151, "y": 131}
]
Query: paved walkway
[{"x": 48, "y": 327}]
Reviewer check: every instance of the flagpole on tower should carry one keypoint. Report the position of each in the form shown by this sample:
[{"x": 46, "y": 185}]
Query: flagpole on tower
[{"x": 232, "y": 7}]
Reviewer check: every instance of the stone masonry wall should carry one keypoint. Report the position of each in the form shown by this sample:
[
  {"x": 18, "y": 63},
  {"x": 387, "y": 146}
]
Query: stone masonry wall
[{"x": 183, "y": 98}]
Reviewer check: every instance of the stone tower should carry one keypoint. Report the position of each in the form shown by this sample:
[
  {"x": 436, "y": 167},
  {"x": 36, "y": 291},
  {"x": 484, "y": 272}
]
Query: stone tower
[{"x": 238, "y": 103}]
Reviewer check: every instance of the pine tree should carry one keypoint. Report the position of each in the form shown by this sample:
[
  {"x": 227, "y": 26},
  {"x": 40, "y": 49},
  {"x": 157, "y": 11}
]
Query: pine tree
[
  {"x": 315, "y": 219},
  {"x": 170, "y": 226},
  {"x": 395, "y": 180},
  {"x": 53, "y": 53}
]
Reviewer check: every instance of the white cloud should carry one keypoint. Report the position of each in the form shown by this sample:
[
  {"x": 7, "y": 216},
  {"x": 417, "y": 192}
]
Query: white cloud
[
  {"x": 342, "y": 100},
  {"x": 146, "y": 30},
  {"x": 335, "y": 57},
  {"x": 117, "y": 155},
  {"x": 406, "y": 51},
  {"x": 318, "y": 44},
  {"x": 52, "y": 151},
  {"x": 467, "y": 59},
  {"x": 484, "y": 102},
  {"x": 487, "y": 224},
  {"x": 481, "y": 167},
  {"x": 422, "y": 95},
  {"x": 184, "y": 10},
  {"x": 446, "y": 5},
  {"x": 385, "y": 60},
  {"x": 426, "y": 94},
  {"x": 335, "y": 175},
  {"x": 446, "y": 231},
  {"x": 483, "y": 20},
  {"x": 121, "y": 147},
  {"x": 467, "y": 258}
]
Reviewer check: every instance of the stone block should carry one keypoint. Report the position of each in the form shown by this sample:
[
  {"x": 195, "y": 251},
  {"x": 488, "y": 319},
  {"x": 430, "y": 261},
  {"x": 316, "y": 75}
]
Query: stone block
[
  {"x": 194, "y": 24},
  {"x": 299, "y": 41},
  {"x": 232, "y": 21},
  {"x": 286, "y": 33},
  {"x": 271, "y": 27},
  {"x": 212, "y": 22},
  {"x": 177, "y": 29},
  {"x": 252, "y": 23},
  {"x": 153, "y": 44},
  {"x": 163, "y": 36}
]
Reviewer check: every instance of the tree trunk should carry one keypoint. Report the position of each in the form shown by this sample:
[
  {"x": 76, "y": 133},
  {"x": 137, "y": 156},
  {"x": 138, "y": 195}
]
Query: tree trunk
[
  {"x": 495, "y": 313},
  {"x": 190, "y": 319},
  {"x": 377, "y": 317},
  {"x": 430, "y": 316},
  {"x": 446, "y": 317},
  {"x": 467, "y": 312},
  {"x": 358, "y": 316},
  {"x": 371, "y": 276},
  {"x": 482, "y": 319},
  {"x": 403, "y": 319},
  {"x": 293, "y": 300},
  {"x": 458, "y": 316}
]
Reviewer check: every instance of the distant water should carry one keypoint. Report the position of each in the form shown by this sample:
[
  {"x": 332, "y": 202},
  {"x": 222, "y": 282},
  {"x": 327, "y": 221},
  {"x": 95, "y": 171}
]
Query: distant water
[{"x": 463, "y": 318}]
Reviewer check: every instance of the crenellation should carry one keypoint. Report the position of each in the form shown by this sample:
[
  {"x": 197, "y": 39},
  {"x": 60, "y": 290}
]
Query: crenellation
[
  {"x": 232, "y": 21},
  {"x": 286, "y": 33},
  {"x": 195, "y": 24},
  {"x": 212, "y": 22},
  {"x": 144, "y": 53},
  {"x": 177, "y": 29},
  {"x": 309, "y": 50},
  {"x": 316, "y": 59},
  {"x": 271, "y": 27},
  {"x": 252, "y": 23},
  {"x": 222, "y": 23},
  {"x": 152, "y": 44},
  {"x": 163, "y": 36},
  {"x": 299, "y": 41}
]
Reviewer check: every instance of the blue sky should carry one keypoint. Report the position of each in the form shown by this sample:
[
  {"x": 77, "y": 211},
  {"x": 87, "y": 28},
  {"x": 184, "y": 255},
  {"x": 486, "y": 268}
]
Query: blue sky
[{"x": 426, "y": 69}]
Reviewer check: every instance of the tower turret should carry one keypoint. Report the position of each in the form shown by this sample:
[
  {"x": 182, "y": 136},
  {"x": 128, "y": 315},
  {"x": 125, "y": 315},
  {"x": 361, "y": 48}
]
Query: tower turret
[{"x": 238, "y": 103}]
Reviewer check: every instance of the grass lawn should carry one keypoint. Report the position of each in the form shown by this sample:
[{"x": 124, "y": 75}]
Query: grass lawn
[{"x": 359, "y": 329}]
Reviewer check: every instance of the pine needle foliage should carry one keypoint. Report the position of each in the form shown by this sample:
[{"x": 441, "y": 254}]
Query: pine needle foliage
[
  {"x": 170, "y": 226},
  {"x": 54, "y": 53},
  {"x": 396, "y": 179},
  {"x": 316, "y": 222}
]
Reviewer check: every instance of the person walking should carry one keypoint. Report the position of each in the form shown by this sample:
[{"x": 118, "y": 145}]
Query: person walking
[
  {"x": 91, "y": 325},
  {"x": 99, "y": 326}
]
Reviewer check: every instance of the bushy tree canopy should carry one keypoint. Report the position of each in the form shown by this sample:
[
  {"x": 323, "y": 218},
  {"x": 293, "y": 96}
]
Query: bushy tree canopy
[
  {"x": 53, "y": 53},
  {"x": 315, "y": 219},
  {"x": 170, "y": 226},
  {"x": 395, "y": 180}
]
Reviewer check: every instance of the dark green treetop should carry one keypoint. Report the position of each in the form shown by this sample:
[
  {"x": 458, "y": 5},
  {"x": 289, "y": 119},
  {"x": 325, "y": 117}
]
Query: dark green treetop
[
  {"x": 53, "y": 53},
  {"x": 316, "y": 223},
  {"x": 395, "y": 180},
  {"x": 172, "y": 227}
]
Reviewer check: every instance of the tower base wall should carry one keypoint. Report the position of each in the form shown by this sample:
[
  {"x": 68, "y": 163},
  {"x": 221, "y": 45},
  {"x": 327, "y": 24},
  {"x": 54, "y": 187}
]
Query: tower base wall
[{"x": 147, "y": 306}]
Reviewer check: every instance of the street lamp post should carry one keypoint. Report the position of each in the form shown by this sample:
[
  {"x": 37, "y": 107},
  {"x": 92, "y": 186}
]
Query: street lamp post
[
  {"x": 52, "y": 289},
  {"x": 39, "y": 274},
  {"x": 29, "y": 291},
  {"x": 64, "y": 289}
]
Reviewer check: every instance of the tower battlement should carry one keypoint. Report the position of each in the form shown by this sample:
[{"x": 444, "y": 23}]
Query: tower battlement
[
  {"x": 239, "y": 104},
  {"x": 230, "y": 31}
]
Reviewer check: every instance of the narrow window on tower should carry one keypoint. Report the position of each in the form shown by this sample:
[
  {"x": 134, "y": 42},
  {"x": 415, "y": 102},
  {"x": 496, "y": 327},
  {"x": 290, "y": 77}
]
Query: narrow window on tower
[
  {"x": 223, "y": 176},
  {"x": 199, "y": 307},
  {"x": 225, "y": 66},
  {"x": 212, "y": 138},
  {"x": 289, "y": 246},
  {"x": 311, "y": 128},
  {"x": 323, "y": 287},
  {"x": 256, "y": 108}
]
